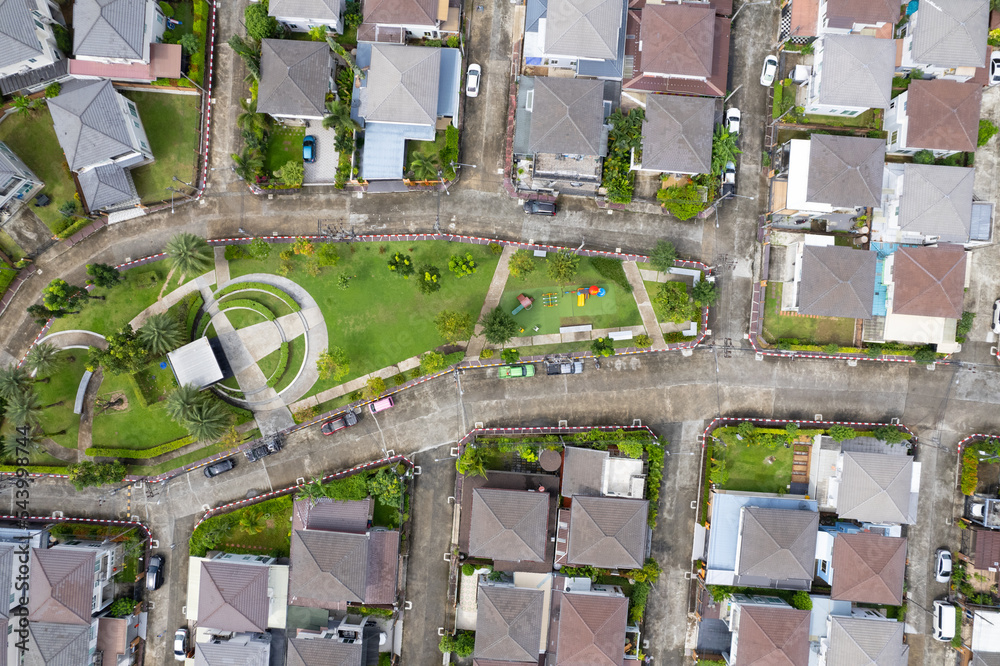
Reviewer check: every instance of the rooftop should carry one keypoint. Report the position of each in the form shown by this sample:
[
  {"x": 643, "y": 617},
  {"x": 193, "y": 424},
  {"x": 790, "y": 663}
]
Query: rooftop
[
  {"x": 772, "y": 635},
  {"x": 845, "y": 13},
  {"x": 509, "y": 623},
  {"x": 837, "y": 282},
  {"x": 868, "y": 568},
  {"x": 233, "y": 596},
  {"x": 62, "y": 586},
  {"x": 510, "y": 525},
  {"x": 677, "y": 134},
  {"x": 402, "y": 12},
  {"x": 854, "y": 641},
  {"x": 110, "y": 29},
  {"x": 588, "y": 629},
  {"x": 195, "y": 364},
  {"x": 402, "y": 85},
  {"x": 937, "y": 201},
  {"x": 777, "y": 545},
  {"x": 567, "y": 117},
  {"x": 18, "y": 41},
  {"x": 857, "y": 71},
  {"x": 845, "y": 171},
  {"x": 929, "y": 281},
  {"x": 608, "y": 532},
  {"x": 317, "y": 10},
  {"x": 583, "y": 28},
  {"x": 89, "y": 123},
  {"x": 951, "y": 34},
  {"x": 876, "y": 488},
  {"x": 943, "y": 115},
  {"x": 294, "y": 77},
  {"x": 677, "y": 39}
]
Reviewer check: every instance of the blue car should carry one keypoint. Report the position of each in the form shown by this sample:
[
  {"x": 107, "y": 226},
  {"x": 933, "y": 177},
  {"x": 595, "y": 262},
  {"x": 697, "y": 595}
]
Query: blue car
[{"x": 309, "y": 149}]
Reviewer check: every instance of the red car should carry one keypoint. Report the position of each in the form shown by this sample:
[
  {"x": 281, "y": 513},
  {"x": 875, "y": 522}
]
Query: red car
[{"x": 348, "y": 419}]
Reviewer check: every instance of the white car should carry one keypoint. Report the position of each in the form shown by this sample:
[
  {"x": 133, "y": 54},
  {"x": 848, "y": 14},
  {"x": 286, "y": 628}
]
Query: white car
[
  {"x": 733, "y": 116},
  {"x": 942, "y": 569},
  {"x": 769, "y": 71},
  {"x": 180, "y": 644},
  {"x": 995, "y": 68},
  {"x": 472, "y": 80},
  {"x": 996, "y": 316}
]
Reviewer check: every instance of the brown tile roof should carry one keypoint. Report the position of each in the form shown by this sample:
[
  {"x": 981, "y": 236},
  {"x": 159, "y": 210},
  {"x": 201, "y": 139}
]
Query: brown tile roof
[
  {"x": 777, "y": 544},
  {"x": 677, "y": 39},
  {"x": 324, "y": 652},
  {"x": 332, "y": 515},
  {"x": 845, "y": 13},
  {"x": 591, "y": 630},
  {"x": 509, "y": 623},
  {"x": 929, "y": 281},
  {"x": 383, "y": 563},
  {"x": 328, "y": 566},
  {"x": 805, "y": 13},
  {"x": 509, "y": 524},
  {"x": 772, "y": 636},
  {"x": 855, "y": 641},
  {"x": 62, "y": 586},
  {"x": 608, "y": 532},
  {"x": 715, "y": 86},
  {"x": 837, "y": 282},
  {"x": 985, "y": 549},
  {"x": 943, "y": 115},
  {"x": 233, "y": 596},
  {"x": 401, "y": 12},
  {"x": 868, "y": 568},
  {"x": 165, "y": 61},
  {"x": 112, "y": 633}
]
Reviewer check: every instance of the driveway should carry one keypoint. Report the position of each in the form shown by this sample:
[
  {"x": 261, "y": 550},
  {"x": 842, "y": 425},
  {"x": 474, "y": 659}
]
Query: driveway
[{"x": 324, "y": 170}]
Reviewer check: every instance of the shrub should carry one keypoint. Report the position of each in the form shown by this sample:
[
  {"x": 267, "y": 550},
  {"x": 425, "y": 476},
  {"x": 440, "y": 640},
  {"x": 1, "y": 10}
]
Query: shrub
[
  {"x": 874, "y": 350},
  {"x": 401, "y": 264},
  {"x": 642, "y": 341},
  {"x": 970, "y": 470},
  {"x": 637, "y": 602},
  {"x": 801, "y": 601},
  {"x": 462, "y": 643},
  {"x": 964, "y": 326},
  {"x": 889, "y": 434},
  {"x": 453, "y": 42},
  {"x": 682, "y": 201},
  {"x": 167, "y": 9},
  {"x": 140, "y": 454},
  {"x": 840, "y": 433},
  {"x": 495, "y": 248},
  {"x": 673, "y": 304},
  {"x": 122, "y": 607},
  {"x": 631, "y": 449},
  {"x": 510, "y": 355},
  {"x": 986, "y": 131},
  {"x": 432, "y": 362},
  {"x": 462, "y": 266},
  {"x": 925, "y": 355},
  {"x": 704, "y": 293},
  {"x": 923, "y": 157},
  {"x": 612, "y": 270},
  {"x": 468, "y": 569},
  {"x": 399, "y": 379},
  {"x": 486, "y": 353},
  {"x": 53, "y": 89},
  {"x": 258, "y": 24},
  {"x": 429, "y": 280},
  {"x": 602, "y": 347},
  {"x": 831, "y": 348}
]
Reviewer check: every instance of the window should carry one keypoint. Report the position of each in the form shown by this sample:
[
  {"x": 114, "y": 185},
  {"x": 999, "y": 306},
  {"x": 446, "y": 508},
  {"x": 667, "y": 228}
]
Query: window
[
  {"x": 31, "y": 60},
  {"x": 40, "y": 26},
  {"x": 894, "y": 137},
  {"x": 136, "y": 124},
  {"x": 853, "y": 113},
  {"x": 822, "y": 566},
  {"x": 159, "y": 17},
  {"x": 131, "y": 109},
  {"x": 847, "y": 113}
]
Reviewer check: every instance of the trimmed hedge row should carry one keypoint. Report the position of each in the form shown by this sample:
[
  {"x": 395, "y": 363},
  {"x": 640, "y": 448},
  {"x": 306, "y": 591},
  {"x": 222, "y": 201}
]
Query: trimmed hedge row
[
  {"x": 140, "y": 454},
  {"x": 193, "y": 309},
  {"x": 279, "y": 372},
  {"x": 260, "y": 286},
  {"x": 35, "y": 469},
  {"x": 259, "y": 308}
]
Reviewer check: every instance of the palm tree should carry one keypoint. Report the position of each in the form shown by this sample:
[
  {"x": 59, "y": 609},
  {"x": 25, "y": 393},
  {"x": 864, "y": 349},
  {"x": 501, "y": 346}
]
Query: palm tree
[
  {"x": 181, "y": 402},
  {"x": 424, "y": 167},
  {"x": 188, "y": 253},
  {"x": 15, "y": 446},
  {"x": 247, "y": 165},
  {"x": 23, "y": 105},
  {"x": 24, "y": 410},
  {"x": 250, "y": 120},
  {"x": 339, "y": 117},
  {"x": 208, "y": 420},
  {"x": 252, "y": 521},
  {"x": 14, "y": 380},
  {"x": 43, "y": 358},
  {"x": 161, "y": 333},
  {"x": 313, "y": 491}
]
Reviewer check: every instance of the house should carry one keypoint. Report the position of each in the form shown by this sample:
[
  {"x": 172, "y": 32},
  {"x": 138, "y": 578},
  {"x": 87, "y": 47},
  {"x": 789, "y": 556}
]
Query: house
[
  {"x": 677, "y": 135},
  {"x": 855, "y": 640},
  {"x": 767, "y": 630},
  {"x": 30, "y": 58},
  {"x": 303, "y": 15},
  {"x": 587, "y": 624},
  {"x": 397, "y": 20},
  {"x": 236, "y": 594},
  {"x": 336, "y": 559},
  {"x": 947, "y": 40},
  {"x": 596, "y": 473},
  {"x": 925, "y": 204},
  {"x": 350, "y": 641},
  {"x": 606, "y": 532},
  {"x": 120, "y": 639},
  {"x": 18, "y": 183},
  {"x": 850, "y": 74},
  {"x": 862, "y": 567},
  {"x": 938, "y": 115},
  {"x": 560, "y": 132},
  {"x": 985, "y": 549},
  {"x": 509, "y": 623},
  {"x": 98, "y": 127},
  {"x": 253, "y": 649},
  {"x": 120, "y": 39},
  {"x": 509, "y": 525},
  {"x": 584, "y": 36},
  {"x": 812, "y": 18},
  {"x": 295, "y": 77},
  {"x": 875, "y": 487},
  {"x": 682, "y": 48},
  {"x": 836, "y": 282},
  {"x": 407, "y": 93},
  {"x": 985, "y": 641}
]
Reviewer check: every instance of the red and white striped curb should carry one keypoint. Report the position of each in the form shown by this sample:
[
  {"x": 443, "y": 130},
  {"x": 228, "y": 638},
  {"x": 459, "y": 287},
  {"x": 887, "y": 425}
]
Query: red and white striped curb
[
  {"x": 975, "y": 437},
  {"x": 721, "y": 421},
  {"x": 550, "y": 430},
  {"x": 100, "y": 521}
]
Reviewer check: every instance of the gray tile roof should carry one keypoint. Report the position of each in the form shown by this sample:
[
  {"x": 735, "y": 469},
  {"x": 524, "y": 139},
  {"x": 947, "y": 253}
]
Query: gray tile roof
[
  {"x": 402, "y": 85},
  {"x": 62, "y": 586},
  {"x": 401, "y": 12},
  {"x": 857, "y": 71},
  {"x": 608, "y": 532},
  {"x": 324, "y": 652},
  {"x": 567, "y": 116},
  {"x": 583, "y": 28},
  {"x": 509, "y": 525},
  {"x": 23, "y": 80},
  {"x": 937, "y": 201},
  {"x": 294, "y": 77},
  {"x": 854, "y": 641},
  {"x": 677, "y": 134},
  {"x": 52, "y": 644},
  {"x": 777, "y": 544},
  {"x": 18, "y": 41},
  {"x": 233, "y": 596},
  {"x": 837, "y": 282},
  {"x": 327, "y": 11},
  {"x": 583, "y": 471},
  {"x": 109, "y": 28},
  {"x": 952, "y": 33},
  {"x": 89, "y": 123},
  {"x": 6, "y": 573},
  {"x": 328, "y": 566},
  {"x": 509, "y": 623},
  {"x": 232, "y": 653},
  {"x": 876, "y": 488},
  {"x": 845, "y": 171},
  {"x": 107, "y": 186},
  {"x": 333, "y": 515},
  {"x": 383, "y": 564}
]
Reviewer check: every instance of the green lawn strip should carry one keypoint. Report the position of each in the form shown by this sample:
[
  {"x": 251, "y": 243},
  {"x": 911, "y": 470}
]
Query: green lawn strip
[
  {"x": 178, "y": 462},
  {"x": 183, "y": 12},
  {"x": 247, "y": 304},
  {"x": 748, "y": 467},
  {"x": 105, "y": 452},
  {"x": 296, "y": 355},
  {"x": 867, "y": 119},
  {"x": 272, "y": 303},
  {"x": 173, "y": 125},
  {"x": 253, "y": 290},
  {"x": 385, "y": 515},
  {"x": 122, "y": 302},
  {"x": 240, "y": 317},
  {"x": 62, "y": 387},
  {"x": 269, "y": 364},
  {"x": 136, "y": 427},
  {"x": 381, "y": 319},
  {"x": 10, "y": 247},
  {"x": 818, "y": 331},
  {"x": 33, "y": 139},
  {"x": 284, "y": 145},
  {"x": 7, "y": 275}
]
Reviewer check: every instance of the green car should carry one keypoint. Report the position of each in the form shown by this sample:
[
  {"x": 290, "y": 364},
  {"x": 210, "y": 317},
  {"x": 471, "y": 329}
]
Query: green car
[{"x": 527, "y": 370}]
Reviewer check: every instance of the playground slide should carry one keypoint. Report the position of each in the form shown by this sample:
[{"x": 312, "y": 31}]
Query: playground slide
[{"x": 579, "y": 299}]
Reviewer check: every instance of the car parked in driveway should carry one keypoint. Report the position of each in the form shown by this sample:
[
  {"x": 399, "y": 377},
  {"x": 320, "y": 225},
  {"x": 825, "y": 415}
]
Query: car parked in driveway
[
  {"x": 217, "y": 468},
  {"x": 769, "y": 71},
  {"x": 996, "y": 316},
  {"x": 733, "y": 116},
  {"x": 942, "y": 566},
  {"x": 729, "y": 180},
  {"x": 535, "y": 207},
  {"x": 472, "y": 80},
  {"x": 180, "y": 644},
  {"x": 346, "y": 420},
  {"x": 309, "y": 149},
  {"x": 995, "y": 68},
  {"x": 521, "y": 370},
  {"x": 944, "y": 620},
  {"x": 154, "y": 572}
]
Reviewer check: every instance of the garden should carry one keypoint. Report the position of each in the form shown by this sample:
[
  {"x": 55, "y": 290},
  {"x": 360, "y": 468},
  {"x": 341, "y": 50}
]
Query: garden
[
  {"x": 173, "y": 126},
  {"x": 190, "y": 32},
  {"x": 816, "y": 331}
]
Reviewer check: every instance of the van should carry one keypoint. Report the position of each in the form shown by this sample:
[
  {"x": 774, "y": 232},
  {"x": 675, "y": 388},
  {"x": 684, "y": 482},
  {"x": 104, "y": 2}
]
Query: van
[
  {"x": 381, "y": 405},
  {"x": 944, "y": 621}
]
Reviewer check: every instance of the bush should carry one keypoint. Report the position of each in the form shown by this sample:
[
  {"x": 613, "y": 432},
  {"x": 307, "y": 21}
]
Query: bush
[
  {"x": 682, "y": 201},
  {"x": 840, "y": 433},
  {"x": 140, "y": 454},
  {"x": 613, "y": 271},
  {"x": 642, "y": 341},
  {"x": 462, "y": 643},
  {"x": 874, "y": 350},
  {"x": 637, "y": 601},
  {"x": 510, "y": 355},
  {"x": 279, "y": 371},
  {"x": 122, "y": 607},
  {"x": 462, "y": 266},
  {"x": 401, "y": 264},
  {"x": 987, "y": 130},
  {"x": 468, "y": 569},
  {"x": 167, "y": 9},
  {"x": 923, "y": 157},
  {"x": 431, "y": 362},
  {"x": 970, "y": 470},
  {"x": 486, "y": 353},
  {"x": 704, "y": 293},
  {"x": 602, "y": 347},
  {"x": 53, "y": 89},
  {"x": 429, "y": 279},
  {"x": 801, "y": 601},
  {"x": 258, "y": 24},
  {"x": 925, "y": 355},
  {"x": 889, "y": 434},
  {"x": 831, "y": 348},
  {"x": 453, "y": 42},
  {"x": 673, "y": 304},
  {"x": 964, "y": 326}
]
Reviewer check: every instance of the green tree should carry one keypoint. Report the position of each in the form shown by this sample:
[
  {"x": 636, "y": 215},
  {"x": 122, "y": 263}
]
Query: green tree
[
  {"x": 791, "y": 431},
  {"x": 462, "y": 266},
  {"x": 14, "y": 380},
  {"x": 510, "y": 355},
  {"x": 682, "y": 201},
  {"x": 424, "y": 167},
  {"x": 840, "y": 433},
  {"x": 401, "y": 264},
  {"x": 472, "y": 462},
  {"x": 431, "y": 362},
  {"x": 252, "y": 521},
  {"x": 602, "y": 347},
  {"x": 122, "y": 607},
  {"x": 161, "y": 333},
  {"x": 521, "y": 264},
  {"x": 704, "y": 293},
  {"x": 987, "y": 130},
  {"x": 374, "y": 387},
  {"x": 562, "y": 266},
  {"x": 53, "y": 90},
  {"x": 249, "y": 53},
  {"x": 208, "y": 419},
  {"x": 188, "y": 253},
  {"x": 724, "y": 149},
  {"x": 259, "y": 249},
  {"x": 499, "y": 326},
  {"x": 60, "y": 295},
  {"x": 292, "y": 173},
  {"x": 453, "y": 326},
  {"x": 801, "y": 600},
  {"x": 22, "y": 105},
  {"x": 333, "y": 364},
  {"x": 462, "y": 644},
  {"x": 259, "y": 25},
  {"x": 338, "y": 117},
  {"x": 889, "y": 434},
  {"x": 189, "y": 43},
  {"x": 312, "y": 491},
  {"x": 103, "y": 275},
  {"x": 86, "y": 474},
  {"x": 44, "y": 359},
  {"x": 386, "y": 487},
  {"x": 430, "y": 279},
  {"x": 673, "y": 303},
  {"x": 663, "y": 256},
  {"x": 249, "y": 120},
  {"x": 248, "y": 164},
  {"x": 23, "y": 409},
  {"x": 126, "y": 354},
  {"x": 181, "y": 401},
  {"x": 317, "y": 33},
  {"x": 925, "y": 355},
  {"x": 923, "y": 157}
]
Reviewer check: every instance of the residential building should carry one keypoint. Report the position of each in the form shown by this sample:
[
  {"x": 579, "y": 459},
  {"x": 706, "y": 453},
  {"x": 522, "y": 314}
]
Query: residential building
[
  {"x": 947, "y": 40},
  {"x": 395, "y": 21},
  {"x": 351, "y": 641},
  {"x": 560, "y": 135},
  {"x": 862, "y": 567},
  {"x": 231, "y": 594},
  {"x": 926, "y": 204},
  {"x": 595, "y": 473},
  {"x": 295, "y": 77},
  {"x": 834, "y": 282},
  {"x": 585, "y": 36},
  {"x": 245, "y": 649},
  {"x": 850, "y": 74},
  {"x": 938, "y": 115},
  {"x": 120, "y": 639},
  {"x": 303, "y": 15},
  {"x": 985, "y": 549},
  {"x": 509, "y": 525},
  {"x": 812, "y": 18},
  {"x": 30, "y": 59},
  {"x": 98, "y": 127},
  {"x": 18, "y": 184},
  {"x": 509, "y": 623},
  {"x": 677, "y": 135},
  {"x": 406, "y": 94},
  {"x": 767, "y": 630},
  {"x": 587, "y": 624},
  {"x": 857, "y": 640},
  {"x": 682, "y": 48},
  {"x": 875, "y": 487},
  {"x": 605, "y": 532},
  {"x": 985, "y": 641}
]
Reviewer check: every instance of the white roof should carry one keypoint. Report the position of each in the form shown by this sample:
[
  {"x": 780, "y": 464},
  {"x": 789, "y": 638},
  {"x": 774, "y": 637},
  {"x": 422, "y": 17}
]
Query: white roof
[
  {"x": 986, "y": 631},
  {"x": 195, "y": 363}
]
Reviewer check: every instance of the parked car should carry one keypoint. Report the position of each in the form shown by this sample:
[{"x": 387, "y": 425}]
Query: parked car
[
  {"x": 996, "y": 316},
  {"x": 567, "y": 367},
  {"x": 769, "y": 71},
  {"x": 263, "y": 450},
  {"x": 534, "y": 207},
  {"x": 729, "y": 180},
  {"x": 309, "y": 149},
  {"x": 522, "y": 370},
  {"x": 381, "y": 405},
  {"x": 348, "y": 419},
  {"x": 180, "y": 644},
  {"x": 217, "y": 468},
  {"x": 944, "y": 621},
  {"x": 154, "y": 573},
  {"x": 733, "y": 116},
  {"x": 472, "y": 80},
  {"x": 995, "y": 68},
  {"x": 942, "y": 568},
  {"x": 978, "y": 510}
]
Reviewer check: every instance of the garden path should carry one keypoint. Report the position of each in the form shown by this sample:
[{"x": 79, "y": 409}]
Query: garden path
[
  {"x": 221, "y": 264},
  {"x": 173, "y": 298},
  {"x": 645, "y": 306},
  {"x": 61, "y": 452},
  {"x": 497, "y": 285},
  {"x": 356, "y": 384},
  {"x": 84, "y": 437},
  {"x": 75, "y": 339}
]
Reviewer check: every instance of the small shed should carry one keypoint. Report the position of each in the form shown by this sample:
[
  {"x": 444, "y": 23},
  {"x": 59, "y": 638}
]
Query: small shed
[{"x": 196, "y": 363}]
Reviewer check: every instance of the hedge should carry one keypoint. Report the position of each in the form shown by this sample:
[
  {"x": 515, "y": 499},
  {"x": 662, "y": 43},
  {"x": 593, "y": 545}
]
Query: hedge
[
  {"x": 140, "y": 454},
  {"x": 35, "y": 469},
  {"x": 193, "y": 308},
  {"x": 139, "y": 397},
  {"x": 279, "y": 372},
  {"x": 259, "y": 308},
  {"x": 970, "y": 470},
  {"x": 73, "y": 228},
  {"x": 260, "y": 286}
]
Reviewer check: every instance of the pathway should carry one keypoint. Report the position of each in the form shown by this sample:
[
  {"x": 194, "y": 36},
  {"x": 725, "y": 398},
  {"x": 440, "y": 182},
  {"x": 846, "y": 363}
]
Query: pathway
[
  {"x": 645, "y": 306},
  {"x": 173, "y": 298},
  {"x": 221, "y": 265},
  {"x": 84, "y": 436},
  {"x": 75, "y": 339},
  {"x": 478, "y": 342},
  {"x": 357, "y": 384}
]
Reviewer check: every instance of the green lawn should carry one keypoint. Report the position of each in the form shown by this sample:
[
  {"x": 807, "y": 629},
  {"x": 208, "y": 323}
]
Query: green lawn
[
  {"x": 10, "y": 247},
  {"x": 136, "y": 427},
  {"x": 653, "y": 290},
  {"x": 269, "y": 364},
  {"x": 123, "y": 302},
  {"x": 277, "y": 306},
  {"x": 62, "y": 387},
  {"x": 296, "y": 354},
  {"x": 183, "y": 12},
  {"x": 172, "y": 124},
  {"x": 284, "y": 145},
  {"x": 381, "y": 318},
  {"x": 809, "y": 330},
  {"x": 243, "y": 317},
  {"x": 750, "y": 467},
  {"x": 429, "y": 149},
  {"x": 869, "y": 119},
  {"x": 33, "y": 139},
  {"x": 275, "y": 539}
]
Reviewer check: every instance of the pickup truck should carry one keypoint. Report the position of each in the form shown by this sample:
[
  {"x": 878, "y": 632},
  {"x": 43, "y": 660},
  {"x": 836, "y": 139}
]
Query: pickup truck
[
  {"x": 272, "y": 445},
  {"x": 567, "y": 367}
]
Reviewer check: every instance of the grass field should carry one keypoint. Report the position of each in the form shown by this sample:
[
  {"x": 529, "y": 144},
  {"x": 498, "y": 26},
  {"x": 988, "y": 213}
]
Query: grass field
[
  {"x": 381, "y": 318},
  {"x": 810, "y": 330},
  {"x": 749, "y": 471},
  {"x": 62, "y": 386},
  {"x": 10, "y": 248},
  {"x": 123, "y": 302},
  {"x": 172, "y": 124},
  {"x": 136, "y": 427},
  {"x": 296, "y": 354},
  {"x": 285, "y": 145}
]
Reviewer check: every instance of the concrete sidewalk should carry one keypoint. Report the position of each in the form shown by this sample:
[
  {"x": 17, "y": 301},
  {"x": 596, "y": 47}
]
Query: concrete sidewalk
[
  {"x": 478, "y": 342},
  {"x": 645, "y": 306},
  {"x": 356, "y": 384},
  {"x": 174, "y": 297}
]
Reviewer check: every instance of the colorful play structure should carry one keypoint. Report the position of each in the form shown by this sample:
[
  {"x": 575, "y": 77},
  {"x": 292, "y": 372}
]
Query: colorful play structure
[
  {"x": 584, "y": 293},
  {"x": 524, "y": 303}
]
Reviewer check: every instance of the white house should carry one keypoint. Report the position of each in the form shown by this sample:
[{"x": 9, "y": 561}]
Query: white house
[
  {"x": 109, "y": 32},
  {"x": 404, "y": 19},
  {"x": 27, "y": 41},
  {"x": 850, "y": 74},
  {"x": 17, "y": 182},
  {"x": 947, "y": 40},
  {"x": 303, "y": 15}
]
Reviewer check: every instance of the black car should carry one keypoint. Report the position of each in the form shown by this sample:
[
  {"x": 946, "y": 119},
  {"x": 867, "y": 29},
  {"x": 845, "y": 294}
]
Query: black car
[
  {"x": 534, "y": 207},
  {"x": 348, "y": 419},
  {"x": 272, "y": 445},
  {"x": 154, "y": 573},
  {"x": 217, "y": 468}
]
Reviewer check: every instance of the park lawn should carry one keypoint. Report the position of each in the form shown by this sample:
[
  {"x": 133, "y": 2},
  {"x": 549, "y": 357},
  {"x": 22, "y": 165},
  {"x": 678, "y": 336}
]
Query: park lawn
[
  {"x": 277, "y": 306},
  {"x": 269, "y": 364},
  {"x": 62, "y": 387},
  {"x": 284, "y": 145},
  {"x": 381, "y": 318},
  {"x": 10, "y": 247},
  {"x": 33, "y": 139},
  {"x": 122, "y": 303},
  {"x": 243, "y": 317},
  {"x": 809, "y": 330},
  {"x": 296, "y": 355},
  {"x": 653, "y": 290},
  {"x": 136, "y": 427},
  {"x": 173, "y": 126},
  {"x": 748, "y": 470}
]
